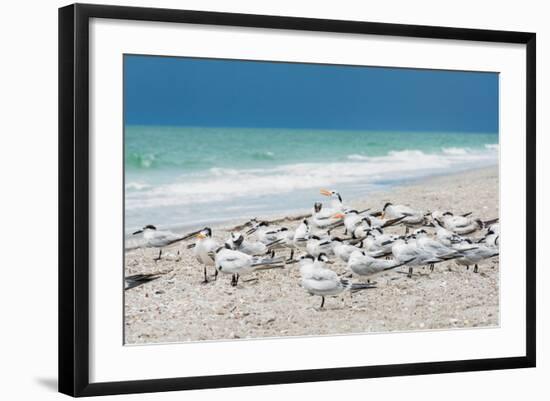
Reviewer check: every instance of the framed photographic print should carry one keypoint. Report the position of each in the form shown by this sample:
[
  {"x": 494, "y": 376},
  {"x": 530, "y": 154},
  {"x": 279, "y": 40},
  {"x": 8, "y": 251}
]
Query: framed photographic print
[{"x": 250, "y": 199}]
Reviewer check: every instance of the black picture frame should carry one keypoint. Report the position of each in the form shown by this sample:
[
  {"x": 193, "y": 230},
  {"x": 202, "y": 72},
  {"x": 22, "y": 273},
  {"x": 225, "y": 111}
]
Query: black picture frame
[{"x": 74, "y": 198}]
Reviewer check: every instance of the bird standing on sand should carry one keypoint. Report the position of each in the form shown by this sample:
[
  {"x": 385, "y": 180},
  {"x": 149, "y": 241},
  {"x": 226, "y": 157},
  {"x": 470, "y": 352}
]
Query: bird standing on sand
[
  {"x": 430, "y": 245},
  {"x": 204, "y": 250},
  {"x": 361, "y": 263},
  {"x": 473, "y": 254},
  {"x": 406, "y": 251},
  {"x": 154, "y": 238},
  {"x": 238, "y": 263},
  {"x": 318, "y": 280}
]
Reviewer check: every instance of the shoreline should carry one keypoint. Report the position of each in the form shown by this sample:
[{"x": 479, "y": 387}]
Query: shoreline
[
  {"x": 385, "y": 192},
  {"x": 166, "y": 310}
]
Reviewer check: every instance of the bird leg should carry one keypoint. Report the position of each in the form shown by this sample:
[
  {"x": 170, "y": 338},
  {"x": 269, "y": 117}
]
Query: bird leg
[
  {"x": 406, "y": 230},
  {"x": 158, "y": 257},
  {"x": 322, "y": 302},
  {"x": 432, "y": 266},
  {"x": 410, "y": 272},
  {"x": 205, "y": 281},
  {"x": 233, "y": 281},
  {"x": 291, "y": 254},
  {"x": 475, "y": 268},
  {"x": 215, "y": 274},
  {"x": 236, "y": 278}
]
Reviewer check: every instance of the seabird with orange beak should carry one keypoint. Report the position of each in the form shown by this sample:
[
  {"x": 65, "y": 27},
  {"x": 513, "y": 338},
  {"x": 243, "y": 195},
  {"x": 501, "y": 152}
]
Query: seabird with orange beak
[
  {"x": 325, "y": 217},
  {"x": 205, "y": 249}
]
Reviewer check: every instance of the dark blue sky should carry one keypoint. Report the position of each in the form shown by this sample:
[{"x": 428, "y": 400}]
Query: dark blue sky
[{"x": 202, "y": 92}]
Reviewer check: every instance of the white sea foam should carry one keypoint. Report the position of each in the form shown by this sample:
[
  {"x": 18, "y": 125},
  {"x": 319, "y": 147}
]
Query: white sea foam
[
  {"x": 454, "y": 151},
  {"x": 230, "y": 185},
  {"x": 137, "y": 186},
  {"x": 357, "y": 157}
]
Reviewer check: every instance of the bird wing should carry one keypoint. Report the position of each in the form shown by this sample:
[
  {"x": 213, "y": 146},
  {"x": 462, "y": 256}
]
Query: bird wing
[{"x": 324, "y": 274}]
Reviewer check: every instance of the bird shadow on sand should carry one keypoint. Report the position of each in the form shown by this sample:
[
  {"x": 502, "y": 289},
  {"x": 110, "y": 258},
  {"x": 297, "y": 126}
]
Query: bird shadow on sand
[{"x": 49, "y": 383}]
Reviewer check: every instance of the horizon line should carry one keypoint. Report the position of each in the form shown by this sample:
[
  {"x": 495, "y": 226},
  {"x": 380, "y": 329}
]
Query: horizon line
[{"x": 312, "y": 128}]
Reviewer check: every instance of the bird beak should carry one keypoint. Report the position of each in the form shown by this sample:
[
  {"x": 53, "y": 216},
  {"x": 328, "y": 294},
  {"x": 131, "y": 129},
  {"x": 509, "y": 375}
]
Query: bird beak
[
  {"x": 338, "y": 216},
  {"x": 137, "y": 232},
  {"x": 383, "y": 215},
  {"x": 201, "y": 236},
  {"x": 325, "y": 192}
]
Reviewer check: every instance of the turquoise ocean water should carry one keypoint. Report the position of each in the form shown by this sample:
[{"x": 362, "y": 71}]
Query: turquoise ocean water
[{"x": 183, "y": 177}]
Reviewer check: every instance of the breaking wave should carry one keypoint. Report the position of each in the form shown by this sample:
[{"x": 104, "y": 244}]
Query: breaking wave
[{"x": 227, "y": 185}]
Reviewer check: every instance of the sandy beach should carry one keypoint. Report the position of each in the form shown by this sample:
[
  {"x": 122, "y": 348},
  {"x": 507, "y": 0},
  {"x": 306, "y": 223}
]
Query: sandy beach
[{"x": 178, "y": 308}]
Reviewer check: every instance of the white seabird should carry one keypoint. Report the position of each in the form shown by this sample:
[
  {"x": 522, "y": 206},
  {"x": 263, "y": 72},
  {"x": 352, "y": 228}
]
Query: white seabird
[
  {"x": 318, "y": 280},
  {"x": 238, "y": 263}
]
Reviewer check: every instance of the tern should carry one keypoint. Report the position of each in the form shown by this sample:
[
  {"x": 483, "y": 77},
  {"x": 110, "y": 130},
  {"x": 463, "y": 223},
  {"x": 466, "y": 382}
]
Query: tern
[
  {"x": 492, "y": 236},
  {"x": 474, "y": 253},
  {"x": 377, "y": 242},
  {"x": 369, "y": 223},
  {"x": 436, "y": 248},
  {"x": 336, "y": 202},
  {"x": 342, "y": 250},
  {"x": 326, "y": 217},
  {"x": 410, "y": 216},
  {"x": 323, "y": 218},
  {"x": 406, "y": 251},
  {"x": 204, "y": 250},
  {"x": 316, "y": 245},
  {"x": 361, "y": 263},
  {"x": 154, "y": 238},
  {"x": 352, "y": 219},
  {"x": 458, "y": 224},
  {"x": 268, "y": 234},
  {"x": 444, "y": 236},
  {"x": 301, "y": 234},
  {"x": 492, "y": 239},
  {"x": 318, "y": 280},
  {"x": 237, "y": 242},
  {"x": 238, "y": 263}
]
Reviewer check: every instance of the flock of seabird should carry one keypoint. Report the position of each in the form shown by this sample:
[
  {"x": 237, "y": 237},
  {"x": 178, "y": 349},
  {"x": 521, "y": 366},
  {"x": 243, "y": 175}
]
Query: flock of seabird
[{"x": 334, "y": 232}]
